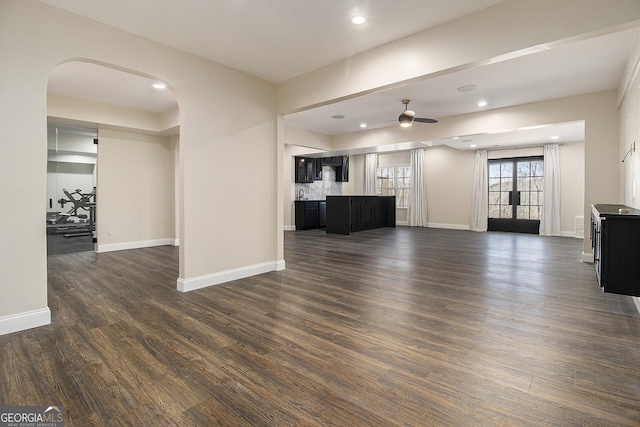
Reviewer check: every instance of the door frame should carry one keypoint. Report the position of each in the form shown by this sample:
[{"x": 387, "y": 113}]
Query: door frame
[{"x": 514, "y": 224}]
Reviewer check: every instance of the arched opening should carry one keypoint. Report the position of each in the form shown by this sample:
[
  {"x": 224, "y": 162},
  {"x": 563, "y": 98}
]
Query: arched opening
[{"x": 120, "y": 192}]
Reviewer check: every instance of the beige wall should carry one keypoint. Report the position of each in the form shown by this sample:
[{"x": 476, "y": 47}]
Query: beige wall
[
  {"x": 135, "y": 191},
  {"x": 572, "y": 186},
  {"x": 227, "y": 176},
  {"x": 630, "y": 135},
  {"x": 449, "y": 185}
]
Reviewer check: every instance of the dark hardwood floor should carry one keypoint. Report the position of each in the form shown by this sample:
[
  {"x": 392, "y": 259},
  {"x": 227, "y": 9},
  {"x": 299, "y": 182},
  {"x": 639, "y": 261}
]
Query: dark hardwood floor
[{"x": 387, "y": 327}]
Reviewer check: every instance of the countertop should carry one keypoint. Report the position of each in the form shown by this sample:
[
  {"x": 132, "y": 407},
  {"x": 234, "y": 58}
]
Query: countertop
[{"x": 614, "y": 210}]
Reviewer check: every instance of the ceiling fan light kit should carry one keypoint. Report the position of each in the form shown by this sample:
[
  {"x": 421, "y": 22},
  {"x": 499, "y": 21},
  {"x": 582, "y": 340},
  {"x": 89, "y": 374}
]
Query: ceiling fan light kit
[{"x": 407, "y": 117}]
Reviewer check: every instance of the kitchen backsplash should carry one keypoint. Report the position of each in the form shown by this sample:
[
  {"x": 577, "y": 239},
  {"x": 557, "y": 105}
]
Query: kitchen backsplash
[{"x": 319, "y": 190}]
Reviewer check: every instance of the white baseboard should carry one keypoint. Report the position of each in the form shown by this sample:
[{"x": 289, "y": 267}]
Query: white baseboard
[
  {"x": 137, "y": 245},
  {"x": 186, "y": 285},
  {"x": 637, "y": 301},
  {"x": 448, "y": 226},
  {"x": 587, "y": 257},
  {"x": 22, "y": 321},
  {"x": 289, "y": 228}
]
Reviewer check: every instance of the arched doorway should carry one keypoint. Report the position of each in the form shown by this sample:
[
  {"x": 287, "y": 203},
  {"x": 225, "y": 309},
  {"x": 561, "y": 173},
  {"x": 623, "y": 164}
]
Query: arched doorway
[{"x": 132, "y": 167}]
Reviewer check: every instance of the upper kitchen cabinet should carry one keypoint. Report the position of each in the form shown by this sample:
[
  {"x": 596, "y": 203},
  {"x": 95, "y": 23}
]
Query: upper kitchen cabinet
[
  {"x": 310, "y": 169},
  {"x": 305, "y": 169}
]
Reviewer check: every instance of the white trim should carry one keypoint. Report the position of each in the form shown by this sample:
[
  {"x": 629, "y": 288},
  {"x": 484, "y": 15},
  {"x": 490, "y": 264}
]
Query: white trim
[
  {"x": 449, "y": 226},
  {"x": 402, "y": 223},
  {"x": 569, "y": 234},
  {"x": 27, "y": 320},
  {"x": 587, "y": 257},
  {"x": 137, "y": 245},
  {"x": 186, "y": 285},
  {"x": 637, "y": 301},
  {"x": 289, "y": 228}
]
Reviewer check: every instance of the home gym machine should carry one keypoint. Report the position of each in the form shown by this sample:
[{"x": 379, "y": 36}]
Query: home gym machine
[{"x": 73, "y": 223}]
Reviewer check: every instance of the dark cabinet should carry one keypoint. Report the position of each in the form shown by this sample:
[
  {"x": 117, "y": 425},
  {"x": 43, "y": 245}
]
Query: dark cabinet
[
  {"x": 308, "y": 169},
  {"x": 615, "y": 240},
  {"x": 332, "y": 161},
  {"x": 310, "y": 214},
  {"x": 305, "y": 169},
  {"x": 322, "y": 214},
  {"x": 347, "y": 214}
]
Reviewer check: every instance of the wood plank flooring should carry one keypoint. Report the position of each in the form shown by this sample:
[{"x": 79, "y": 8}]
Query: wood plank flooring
[{"x": 386, "y": 327}]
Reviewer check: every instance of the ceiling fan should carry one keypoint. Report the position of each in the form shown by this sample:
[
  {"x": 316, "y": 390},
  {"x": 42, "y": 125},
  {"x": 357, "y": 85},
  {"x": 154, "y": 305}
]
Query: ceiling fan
[{"x": 407, "y": 117}]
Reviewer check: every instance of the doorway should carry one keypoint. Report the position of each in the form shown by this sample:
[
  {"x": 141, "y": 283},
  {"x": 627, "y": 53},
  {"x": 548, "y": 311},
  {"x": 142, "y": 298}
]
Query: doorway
[
  {"x": 516, "y": 194},
  {"x": 71, "y": 190}
]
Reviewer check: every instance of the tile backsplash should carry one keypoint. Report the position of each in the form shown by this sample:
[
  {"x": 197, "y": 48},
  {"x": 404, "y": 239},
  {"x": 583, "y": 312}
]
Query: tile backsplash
[{"x": 319, "y": 190}]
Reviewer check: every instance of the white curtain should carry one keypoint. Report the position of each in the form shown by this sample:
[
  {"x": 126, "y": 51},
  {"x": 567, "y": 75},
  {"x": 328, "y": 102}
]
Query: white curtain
[
  {"x": 370, "y": 173},
  {"x": 417, "y": 209},
  {"x": 479, "y": 218},
  {"x": 550, "y": 218}
]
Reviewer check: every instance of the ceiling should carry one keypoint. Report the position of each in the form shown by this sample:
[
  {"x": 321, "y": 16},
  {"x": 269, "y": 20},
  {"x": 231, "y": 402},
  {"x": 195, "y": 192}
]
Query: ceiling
[
  {"x": 266, "y": 35},
  {"x": 257, "y": 37}
]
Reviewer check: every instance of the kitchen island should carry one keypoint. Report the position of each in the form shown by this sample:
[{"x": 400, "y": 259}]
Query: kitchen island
[{"x": 347, "y": 214}]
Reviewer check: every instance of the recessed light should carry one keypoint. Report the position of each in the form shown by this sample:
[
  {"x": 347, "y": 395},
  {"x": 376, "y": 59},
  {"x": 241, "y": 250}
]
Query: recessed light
[
  {"x": 159, "y": 85},
  {"x": 455, "y": 137},
  {"x": 473, "y": 146},
  {"x": 358, "y": 19},
  {"x": 467, "y": 88},
  {"x": 555, "y": 137},
  {"x": 363, "y": 125},
  {"x": 338, "y": 117},
  {"x": 482, "y": 104}
]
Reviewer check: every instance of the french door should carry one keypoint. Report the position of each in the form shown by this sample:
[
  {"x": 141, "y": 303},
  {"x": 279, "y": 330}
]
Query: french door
[{"x": 515, "y": 194}]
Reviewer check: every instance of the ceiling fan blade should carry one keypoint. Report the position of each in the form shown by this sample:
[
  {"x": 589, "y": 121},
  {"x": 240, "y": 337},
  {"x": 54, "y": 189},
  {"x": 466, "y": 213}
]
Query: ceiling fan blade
[
  {"x": 381, "y": 123},
  {"x": 424, "y": 120}
]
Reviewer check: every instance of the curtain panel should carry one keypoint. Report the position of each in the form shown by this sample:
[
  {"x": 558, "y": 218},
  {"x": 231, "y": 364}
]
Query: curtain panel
[
  {"x": 550, "y": 218},
  {"x": 479, "y": 218},
  {"x": 370, "y": 174},
  {"x": 417, "y": 209}
]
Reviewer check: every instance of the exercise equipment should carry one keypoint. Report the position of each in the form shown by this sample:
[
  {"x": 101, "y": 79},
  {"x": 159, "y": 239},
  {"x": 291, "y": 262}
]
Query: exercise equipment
[{"x": 73, "y": 223}]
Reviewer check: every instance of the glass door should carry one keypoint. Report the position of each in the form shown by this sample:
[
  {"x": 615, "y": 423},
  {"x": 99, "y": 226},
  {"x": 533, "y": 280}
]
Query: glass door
[{"x": 515, "y": 194}]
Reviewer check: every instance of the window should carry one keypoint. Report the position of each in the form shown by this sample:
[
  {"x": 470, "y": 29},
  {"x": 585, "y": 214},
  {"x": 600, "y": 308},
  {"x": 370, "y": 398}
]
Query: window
[{"x": 394, "y": 181}]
